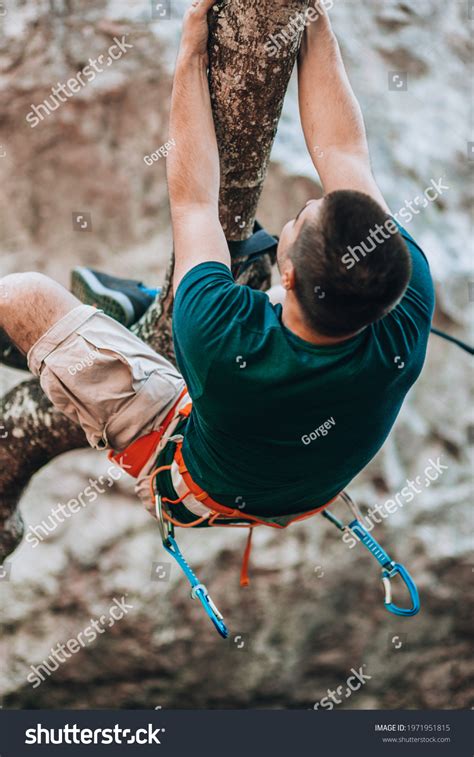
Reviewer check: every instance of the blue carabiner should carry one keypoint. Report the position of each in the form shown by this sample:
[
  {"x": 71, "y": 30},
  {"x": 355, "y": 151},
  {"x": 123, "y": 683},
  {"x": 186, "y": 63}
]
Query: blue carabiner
[
  {"x": 198, "y": 590},
  {"x": 389, "y": 573},
  {"x": 389, "y": 570}
]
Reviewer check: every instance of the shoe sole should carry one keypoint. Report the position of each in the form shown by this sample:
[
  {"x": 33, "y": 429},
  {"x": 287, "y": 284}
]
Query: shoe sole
[{"x": 89, "y": 290}]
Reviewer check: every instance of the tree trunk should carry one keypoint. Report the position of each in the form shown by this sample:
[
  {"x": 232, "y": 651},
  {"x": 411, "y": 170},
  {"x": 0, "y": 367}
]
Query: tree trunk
[
  {"x": 247, "y": 90},
  {"x": 248, "y": 87}
]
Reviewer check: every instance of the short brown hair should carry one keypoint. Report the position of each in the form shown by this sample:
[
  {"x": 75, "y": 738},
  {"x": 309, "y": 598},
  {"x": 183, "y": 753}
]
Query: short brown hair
[{"x": 336, "y": 298}]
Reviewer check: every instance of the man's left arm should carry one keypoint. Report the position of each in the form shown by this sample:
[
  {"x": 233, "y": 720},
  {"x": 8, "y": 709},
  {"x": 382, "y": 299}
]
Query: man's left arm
[
  {"x": 331, "y": 115},
  {"x": 193, "y": 166}
]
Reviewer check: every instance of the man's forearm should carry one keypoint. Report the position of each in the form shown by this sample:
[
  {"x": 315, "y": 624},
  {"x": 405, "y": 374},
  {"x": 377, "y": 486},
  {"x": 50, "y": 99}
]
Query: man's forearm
[
  {"x": 330, "y": 114},
  {"x": 193, "y": 168}
]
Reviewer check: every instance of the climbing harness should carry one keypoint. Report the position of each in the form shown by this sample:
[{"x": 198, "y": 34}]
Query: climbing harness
[{"x": 172, "y": 511}]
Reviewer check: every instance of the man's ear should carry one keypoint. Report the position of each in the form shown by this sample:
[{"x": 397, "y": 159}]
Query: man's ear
[{"x": 288, "y": 275}]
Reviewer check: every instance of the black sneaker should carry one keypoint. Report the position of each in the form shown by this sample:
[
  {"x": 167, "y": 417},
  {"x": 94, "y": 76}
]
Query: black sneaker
[
  {"x": 10, "y": 355},
  {"x": 125, "y": 300}
]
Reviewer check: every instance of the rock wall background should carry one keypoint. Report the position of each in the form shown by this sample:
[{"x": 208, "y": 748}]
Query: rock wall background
[{"x": 314, "y": 608}]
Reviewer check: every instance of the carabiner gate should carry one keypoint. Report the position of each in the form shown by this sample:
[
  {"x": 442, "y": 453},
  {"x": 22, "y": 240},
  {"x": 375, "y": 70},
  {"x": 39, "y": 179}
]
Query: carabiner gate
[
  {"x": 390, "y": 572},
  {"x": 166, "y": 528}
]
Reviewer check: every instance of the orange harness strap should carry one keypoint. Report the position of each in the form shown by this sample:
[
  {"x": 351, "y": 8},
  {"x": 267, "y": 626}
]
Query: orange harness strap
[
  {"x": 229, "y": 512},
  {"x": 134, "y": 457}
]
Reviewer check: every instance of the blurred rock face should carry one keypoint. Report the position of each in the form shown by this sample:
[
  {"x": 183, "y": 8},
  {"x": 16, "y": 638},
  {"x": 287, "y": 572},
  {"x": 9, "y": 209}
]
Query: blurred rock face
[{"x": 314, "y": 609}]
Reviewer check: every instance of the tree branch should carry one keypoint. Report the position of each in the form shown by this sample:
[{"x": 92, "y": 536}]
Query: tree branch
[{"x": 247, "y": 90}]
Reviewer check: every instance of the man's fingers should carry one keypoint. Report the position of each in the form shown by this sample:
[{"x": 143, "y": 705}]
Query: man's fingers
[{"x": 202, "y": 6}]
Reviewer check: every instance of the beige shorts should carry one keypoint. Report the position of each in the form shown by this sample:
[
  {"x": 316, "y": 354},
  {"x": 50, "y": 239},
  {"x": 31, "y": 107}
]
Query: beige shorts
[{"x": 104, "y": 378}]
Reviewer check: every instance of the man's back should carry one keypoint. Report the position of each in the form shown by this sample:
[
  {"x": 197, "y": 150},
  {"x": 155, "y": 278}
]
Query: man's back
[{"x": 278, "y": 423}]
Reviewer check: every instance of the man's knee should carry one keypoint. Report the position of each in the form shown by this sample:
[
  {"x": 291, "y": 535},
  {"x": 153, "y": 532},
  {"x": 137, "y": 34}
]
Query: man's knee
[
  {"x": 30, "y": 303},
  {"x": 16, "y": 285}
]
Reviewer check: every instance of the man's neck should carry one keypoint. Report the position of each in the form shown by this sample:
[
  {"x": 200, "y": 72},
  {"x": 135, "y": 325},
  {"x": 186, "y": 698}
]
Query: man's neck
[{"x": 293, "y": 321}]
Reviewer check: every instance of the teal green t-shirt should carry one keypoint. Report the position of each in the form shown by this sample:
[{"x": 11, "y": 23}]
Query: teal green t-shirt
[{"x": 280, "y": 425}]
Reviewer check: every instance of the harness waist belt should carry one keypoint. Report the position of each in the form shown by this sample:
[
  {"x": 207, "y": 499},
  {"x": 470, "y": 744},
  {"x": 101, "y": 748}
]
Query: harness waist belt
[{"x": 136, "y": 455}]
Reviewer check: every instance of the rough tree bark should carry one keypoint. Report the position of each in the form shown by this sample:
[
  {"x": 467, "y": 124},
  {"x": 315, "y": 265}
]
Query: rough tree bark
[{"x": 247, "y": 89}]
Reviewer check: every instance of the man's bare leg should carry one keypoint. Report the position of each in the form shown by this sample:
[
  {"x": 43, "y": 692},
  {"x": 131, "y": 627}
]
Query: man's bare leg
[{"x": 30, "y": 304}]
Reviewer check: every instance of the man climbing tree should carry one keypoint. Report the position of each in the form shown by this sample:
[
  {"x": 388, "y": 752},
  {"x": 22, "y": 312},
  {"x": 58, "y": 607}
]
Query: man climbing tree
[
  {"x": 34, "y": 432},
  {"x": 327, "y": 358},
  {"x": 290, "y": 400}
]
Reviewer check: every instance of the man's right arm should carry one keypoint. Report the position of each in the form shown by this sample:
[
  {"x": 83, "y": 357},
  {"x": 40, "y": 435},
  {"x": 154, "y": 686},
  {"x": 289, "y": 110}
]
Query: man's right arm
[{"x": 332, "y": 120}]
